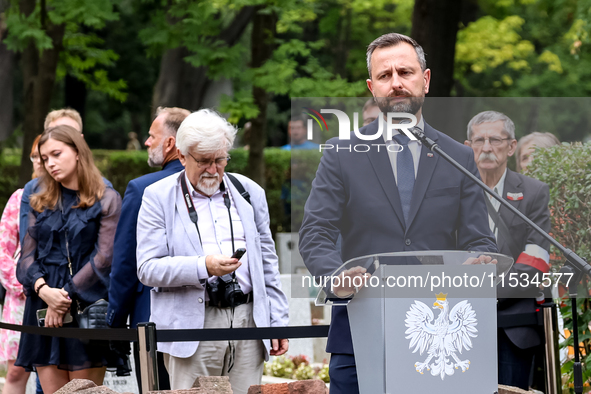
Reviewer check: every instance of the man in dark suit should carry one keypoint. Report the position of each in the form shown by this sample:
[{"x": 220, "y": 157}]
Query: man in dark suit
[
  {"x": 388, "y": 201},
  {"x": 127, "y": 296},
  {"x": 492, "y": 137}
]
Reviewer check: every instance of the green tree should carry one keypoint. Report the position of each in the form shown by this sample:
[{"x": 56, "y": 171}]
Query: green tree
[{"x": 56, "y": 37}]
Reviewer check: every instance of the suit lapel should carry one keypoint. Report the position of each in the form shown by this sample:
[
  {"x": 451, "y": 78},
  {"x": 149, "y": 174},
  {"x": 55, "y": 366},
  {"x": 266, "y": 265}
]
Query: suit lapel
[
  {"x": 425, "y": 172},
  {"x": 380, "y": 162},
  {"x": 189, "y": 226},
  {"x": 512, "y": 185}
]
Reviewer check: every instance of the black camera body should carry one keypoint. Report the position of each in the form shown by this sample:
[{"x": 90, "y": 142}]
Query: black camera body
[{"x": 225, "y": 291}]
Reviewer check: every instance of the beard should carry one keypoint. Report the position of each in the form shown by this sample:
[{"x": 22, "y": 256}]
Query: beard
[
  {"x": 155, "y": 156},
  {"x": 410, "y": 105},
  {"x": 487, "y": 156},
  {"x": 208, "y": 184}
]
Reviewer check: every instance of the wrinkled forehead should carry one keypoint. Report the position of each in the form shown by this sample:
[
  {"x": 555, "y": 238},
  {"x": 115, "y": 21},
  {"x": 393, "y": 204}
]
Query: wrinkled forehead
[
  {"x": 489, "y": 129},
  {"x": 199, "y": 155}
]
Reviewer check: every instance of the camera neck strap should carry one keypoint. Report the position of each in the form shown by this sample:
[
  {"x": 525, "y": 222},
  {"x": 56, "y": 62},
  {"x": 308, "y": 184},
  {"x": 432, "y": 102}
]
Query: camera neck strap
[{"x": 194, "y": 218}]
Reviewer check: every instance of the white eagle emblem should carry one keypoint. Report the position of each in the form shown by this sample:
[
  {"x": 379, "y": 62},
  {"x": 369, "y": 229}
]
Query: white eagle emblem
[{"x": 450, "y": 333}]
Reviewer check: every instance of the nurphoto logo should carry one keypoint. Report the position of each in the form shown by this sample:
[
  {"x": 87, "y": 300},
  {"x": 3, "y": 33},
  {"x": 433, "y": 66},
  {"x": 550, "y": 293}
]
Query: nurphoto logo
[{"x": 345, "y": 129}]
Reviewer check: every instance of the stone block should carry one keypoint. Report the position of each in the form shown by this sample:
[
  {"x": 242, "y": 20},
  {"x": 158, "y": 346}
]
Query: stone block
[
  {"x": 314, "y": 386},
  {"x": 511, "y": 390},
  {"x": 186, "y": 391},
  {"x": 97, "y": 390},
  {"x": 76, "y": 385},
  {"x": 214, "y": 384},
  {"x": 278, "y": 388}
]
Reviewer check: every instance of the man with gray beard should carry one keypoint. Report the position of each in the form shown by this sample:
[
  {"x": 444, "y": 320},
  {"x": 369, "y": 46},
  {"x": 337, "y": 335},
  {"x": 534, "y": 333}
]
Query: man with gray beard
[
  {"x": 491, "y": 135},
  {"x": 205, "y": 245},
  {"x": 128, "y": 298}
]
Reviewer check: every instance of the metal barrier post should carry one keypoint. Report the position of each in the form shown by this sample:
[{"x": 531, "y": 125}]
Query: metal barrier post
[
  {"x": 553, "y": 376},
  {"x": 148, "y": 361}
]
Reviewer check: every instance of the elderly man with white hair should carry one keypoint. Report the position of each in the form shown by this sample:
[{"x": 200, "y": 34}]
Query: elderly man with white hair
[
  {"x": 189, "y": 226},
  {"x": 491, "y": 135}
]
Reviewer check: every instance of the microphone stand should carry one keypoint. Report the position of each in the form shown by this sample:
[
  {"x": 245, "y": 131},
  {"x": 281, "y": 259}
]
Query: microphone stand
[{"x": 574, "y": 263}]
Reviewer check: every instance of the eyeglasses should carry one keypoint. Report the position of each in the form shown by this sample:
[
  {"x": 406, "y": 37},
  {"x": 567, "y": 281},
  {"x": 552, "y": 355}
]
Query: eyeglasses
[
  {"x": 494, "y": 141},
  {"x": 35, "y": 159},
  {"x": 219, "y": 162}
]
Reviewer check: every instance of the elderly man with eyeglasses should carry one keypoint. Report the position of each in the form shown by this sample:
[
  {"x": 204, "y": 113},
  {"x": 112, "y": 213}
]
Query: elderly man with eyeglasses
[
  {"x": 491, "y": 135},
  {"x": 190, "y": 226}
]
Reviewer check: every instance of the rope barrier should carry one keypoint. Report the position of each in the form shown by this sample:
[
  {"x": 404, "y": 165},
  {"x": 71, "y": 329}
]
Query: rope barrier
[
  {"x": 207, "y": 334},
  {"x": 105, "y": 334}
]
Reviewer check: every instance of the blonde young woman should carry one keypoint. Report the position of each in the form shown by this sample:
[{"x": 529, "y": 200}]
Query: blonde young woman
[
  {"x": 66, "y": 258},
  {"x": 14, "y": 304}
]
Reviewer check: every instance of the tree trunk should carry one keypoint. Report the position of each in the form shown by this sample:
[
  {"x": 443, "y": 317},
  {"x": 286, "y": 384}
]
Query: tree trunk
[
  {"x": 38, "y": 80},
  {"x": 75, "y": 95},
  {"x": 263, "y": 32},
  {"x": 182, "y": 85},
  {"x": 435, "y": 26},
  {"x": 341, "y": 52},
  {"x": 6, "y": 87}
]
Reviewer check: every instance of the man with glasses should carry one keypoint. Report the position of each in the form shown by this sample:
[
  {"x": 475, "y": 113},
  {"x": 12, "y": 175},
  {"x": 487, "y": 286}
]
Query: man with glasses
[
  {"x": 128, "y": 298},
  {"x": 189, "y": 226},
  {"x": 491, "y": 135}
]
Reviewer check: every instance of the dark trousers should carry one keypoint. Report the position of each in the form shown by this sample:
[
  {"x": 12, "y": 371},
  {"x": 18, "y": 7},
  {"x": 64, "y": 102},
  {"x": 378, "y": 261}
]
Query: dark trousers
[
  {"x": 163, "y": 380},
  {"x": 515, "y": 364},
  {"x": 343, "y": 374}
]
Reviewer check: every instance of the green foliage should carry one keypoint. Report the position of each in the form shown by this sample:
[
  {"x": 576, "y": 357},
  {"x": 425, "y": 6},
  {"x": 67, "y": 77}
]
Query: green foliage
[
  {"x": 566, "y": 169},
  {"x": 296, "y": 367},
  {"x": 524, "y": 48},
  {"x": 83, "y": 56},
  {"x": 280, "y": 367}
]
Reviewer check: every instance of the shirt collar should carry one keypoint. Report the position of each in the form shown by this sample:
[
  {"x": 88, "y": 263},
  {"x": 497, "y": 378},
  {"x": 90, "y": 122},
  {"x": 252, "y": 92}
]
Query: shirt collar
[{"x": 500, "y": 186}]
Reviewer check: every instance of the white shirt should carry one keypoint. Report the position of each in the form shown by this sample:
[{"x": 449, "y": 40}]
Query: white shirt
[
  {"x": 414, "y": 146},
  {"x": 496, "y": 203},
  {"x": 216, "y": 237}
]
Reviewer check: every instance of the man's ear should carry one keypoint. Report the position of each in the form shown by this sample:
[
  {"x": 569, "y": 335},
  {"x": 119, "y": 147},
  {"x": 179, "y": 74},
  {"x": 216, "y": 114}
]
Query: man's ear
[
  {"x": 182, "y": 158},
  {"x": 369, "y": 85},
  {"x": 467, "y": 143},
  {"x": 427, "y": 79},
  {"x": 170, "y": 145},
  {"x": 512, "y": 147}
]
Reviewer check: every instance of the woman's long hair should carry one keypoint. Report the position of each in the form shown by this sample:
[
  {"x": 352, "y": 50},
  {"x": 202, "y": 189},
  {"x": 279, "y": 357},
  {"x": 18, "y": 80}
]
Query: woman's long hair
[{"x": 91, "y": 186}]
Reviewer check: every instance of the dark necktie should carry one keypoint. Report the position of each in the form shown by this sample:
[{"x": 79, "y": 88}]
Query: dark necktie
[{"x": 405, "y": 176}]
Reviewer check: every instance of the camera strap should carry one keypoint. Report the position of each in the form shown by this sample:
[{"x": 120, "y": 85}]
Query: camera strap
[
  {"x": 190, "y": 206},
  {"x": 194, "y": 218}
]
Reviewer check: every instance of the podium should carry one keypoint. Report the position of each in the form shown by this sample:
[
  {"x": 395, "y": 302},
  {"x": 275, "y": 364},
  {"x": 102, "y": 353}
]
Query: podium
[{"x": 425, "y": 321}]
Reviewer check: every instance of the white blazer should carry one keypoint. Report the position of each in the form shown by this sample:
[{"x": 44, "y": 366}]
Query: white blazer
[{"x": 168, "y": 248}]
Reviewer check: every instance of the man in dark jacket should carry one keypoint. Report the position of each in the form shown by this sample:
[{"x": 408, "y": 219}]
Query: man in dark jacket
[{"x": 492, "y": 137}]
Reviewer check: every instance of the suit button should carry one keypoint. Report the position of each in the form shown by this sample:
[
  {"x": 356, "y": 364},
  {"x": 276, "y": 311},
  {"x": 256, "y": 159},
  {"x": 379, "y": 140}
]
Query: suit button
[
  {"x": 200, "y": 300},
  {"x": 407, "y": 242}
]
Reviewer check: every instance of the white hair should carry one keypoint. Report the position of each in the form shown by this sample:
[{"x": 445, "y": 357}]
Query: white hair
[
  {"x": 490, "y": 117},
  {"x": 205, "y": 132}
]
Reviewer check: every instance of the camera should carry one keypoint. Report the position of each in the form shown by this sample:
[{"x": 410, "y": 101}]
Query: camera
[{"x": 225, "y": 291}]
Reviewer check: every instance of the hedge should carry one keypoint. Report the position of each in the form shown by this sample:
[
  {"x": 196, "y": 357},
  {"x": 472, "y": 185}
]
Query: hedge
[{"x": 120, "y": 167}]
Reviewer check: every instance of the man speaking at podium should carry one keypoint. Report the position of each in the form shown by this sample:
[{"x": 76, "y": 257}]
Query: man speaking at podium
[{"x": 382, "y": 201}]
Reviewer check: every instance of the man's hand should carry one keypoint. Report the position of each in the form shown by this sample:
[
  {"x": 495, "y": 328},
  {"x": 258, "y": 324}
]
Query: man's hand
[
  {"x": 482, "y": 259},
  {"x": 349, "y": 281},
  {"x": 56, "y": 299},
  {"x": 54, "y": 319},
  {"x": 279, "y": 346},
  {"x": 218, "y": 264}
]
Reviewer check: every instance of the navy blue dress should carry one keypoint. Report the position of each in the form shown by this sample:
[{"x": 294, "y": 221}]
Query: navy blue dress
[{"x": 87, "y": 234}]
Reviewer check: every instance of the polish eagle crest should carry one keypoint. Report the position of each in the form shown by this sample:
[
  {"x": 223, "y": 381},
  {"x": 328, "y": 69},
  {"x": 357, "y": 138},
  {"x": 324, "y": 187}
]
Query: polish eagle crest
[{"x": 449, "y": 334}]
